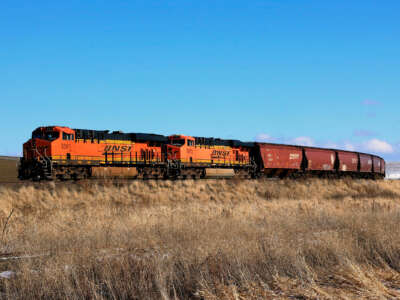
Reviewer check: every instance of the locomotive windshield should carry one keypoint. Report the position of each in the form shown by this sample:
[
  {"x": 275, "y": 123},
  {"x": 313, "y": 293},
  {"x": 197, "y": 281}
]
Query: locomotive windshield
[
  {"x": 178, "y": 142},
  {"x": 48, "y": 135}
]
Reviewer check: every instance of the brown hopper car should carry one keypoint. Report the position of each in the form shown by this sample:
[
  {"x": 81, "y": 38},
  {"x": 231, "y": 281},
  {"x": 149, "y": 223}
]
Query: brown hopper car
[
  {"x": 320, "y": 159},
  {"x": 348, "y": 161}
]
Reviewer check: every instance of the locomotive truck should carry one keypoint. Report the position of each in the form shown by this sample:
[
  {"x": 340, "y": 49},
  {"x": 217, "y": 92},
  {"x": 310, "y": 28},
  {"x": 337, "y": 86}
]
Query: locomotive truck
[{"x": 62, "y": 153}]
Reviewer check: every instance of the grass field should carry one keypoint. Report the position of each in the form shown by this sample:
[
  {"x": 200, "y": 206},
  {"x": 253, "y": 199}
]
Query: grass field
[
  {"x": 8, "y": 169},
  {"x": 207, "y": 239}
]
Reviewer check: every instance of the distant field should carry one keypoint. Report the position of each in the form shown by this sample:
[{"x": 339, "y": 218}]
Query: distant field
[{"x": 8, "y": 169}]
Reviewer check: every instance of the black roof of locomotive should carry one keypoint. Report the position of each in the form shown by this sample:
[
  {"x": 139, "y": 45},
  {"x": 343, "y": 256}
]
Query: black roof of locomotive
[
  {"x": 221, "y": 142},
  {"x": 119, "y": 135},
  {"x": 88, "y": 134}
]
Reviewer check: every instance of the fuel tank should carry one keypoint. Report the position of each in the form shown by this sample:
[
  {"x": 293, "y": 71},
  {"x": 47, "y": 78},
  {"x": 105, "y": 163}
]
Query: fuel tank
[
  {"x": 114, "y": 172},
  {"x": 218, "y": 173}
]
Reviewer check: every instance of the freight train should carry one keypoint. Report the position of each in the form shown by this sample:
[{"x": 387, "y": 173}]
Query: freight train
[{"x": 62, "y": 153}]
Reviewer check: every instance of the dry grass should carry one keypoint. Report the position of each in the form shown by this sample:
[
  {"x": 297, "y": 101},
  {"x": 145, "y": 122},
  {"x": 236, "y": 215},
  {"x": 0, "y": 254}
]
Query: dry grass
[{"x": 206, "y": 239}]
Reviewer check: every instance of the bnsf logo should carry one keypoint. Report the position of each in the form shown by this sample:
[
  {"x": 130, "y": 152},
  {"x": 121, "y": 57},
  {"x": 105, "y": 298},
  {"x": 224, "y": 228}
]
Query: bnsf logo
[
  {"x": 219, "y": 153},
  {"x": 117, "y": 148}
]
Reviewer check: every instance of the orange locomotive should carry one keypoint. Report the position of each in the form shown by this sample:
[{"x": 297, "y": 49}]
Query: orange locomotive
[
  {"x": 65, "y": 153},
  {"x": 198, "y": 157}
]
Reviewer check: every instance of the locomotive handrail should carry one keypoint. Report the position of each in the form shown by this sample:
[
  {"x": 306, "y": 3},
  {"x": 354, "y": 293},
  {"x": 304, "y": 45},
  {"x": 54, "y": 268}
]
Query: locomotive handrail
[{"x": 127, "y": 158}]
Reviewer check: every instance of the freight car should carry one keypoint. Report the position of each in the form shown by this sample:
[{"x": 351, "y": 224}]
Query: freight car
[
  {"x": 276, "y": 160},
  {"x": 56, "y": 152}
]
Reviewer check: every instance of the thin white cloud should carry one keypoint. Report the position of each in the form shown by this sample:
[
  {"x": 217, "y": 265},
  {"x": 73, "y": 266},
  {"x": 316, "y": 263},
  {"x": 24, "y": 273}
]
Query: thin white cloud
[
  {"x": 303, "y": 141},
  {"x": 264, "y": 137},
  {"x": 349, "y": 146},
  {"x": 331, "y": 145},
  {"x": 378, "y": 146}
]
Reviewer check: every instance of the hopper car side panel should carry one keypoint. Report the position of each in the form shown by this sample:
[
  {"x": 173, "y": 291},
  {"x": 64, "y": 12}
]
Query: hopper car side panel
[
  {"x": 376, "y": 162},
  {"x": 365, "y": 163},
  {"x": 383, "y": 167},
  {"x": 320, "y": 159},
  {"x": 280, "y": 156},
  {"x": 348, "y": 161}
]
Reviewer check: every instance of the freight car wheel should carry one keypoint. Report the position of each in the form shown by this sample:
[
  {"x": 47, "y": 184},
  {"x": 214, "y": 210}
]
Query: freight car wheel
[
  {"x": 36, "y": 177},
  {"x": 60, "y": 177},
  {"x": 197, "y": 174}
]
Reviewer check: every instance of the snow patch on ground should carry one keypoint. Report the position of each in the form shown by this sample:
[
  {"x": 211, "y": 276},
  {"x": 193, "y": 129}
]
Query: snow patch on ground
[
  {"x": 7, "y": 274},
  {"x": 393, "y": 170}
]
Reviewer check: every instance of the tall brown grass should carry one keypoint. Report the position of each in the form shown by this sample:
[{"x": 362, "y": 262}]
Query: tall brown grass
[{"x": 205, "y": 239}]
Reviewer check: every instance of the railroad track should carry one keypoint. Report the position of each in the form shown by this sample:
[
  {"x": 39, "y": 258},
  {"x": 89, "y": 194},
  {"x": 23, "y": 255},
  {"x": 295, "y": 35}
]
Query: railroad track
[{"x": 124, "y": 181}]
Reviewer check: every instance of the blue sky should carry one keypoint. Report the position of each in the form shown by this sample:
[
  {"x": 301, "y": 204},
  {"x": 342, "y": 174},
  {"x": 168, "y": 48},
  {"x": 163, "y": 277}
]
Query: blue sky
[{"x": 322, "y": 73}]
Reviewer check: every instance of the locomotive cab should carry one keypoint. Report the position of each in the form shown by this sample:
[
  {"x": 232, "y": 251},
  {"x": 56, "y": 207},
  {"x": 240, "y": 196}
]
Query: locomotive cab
[
  {"x": 181, "y": 147},
  {"x": 46, "y": 140},
  {"x": 39, "y": 146},
  {"x": 38, "y": 151},
  {"x": 176, "y": 143},
  {"x": 178, "y": 140},
  {"x": 46, "y": 133}
]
